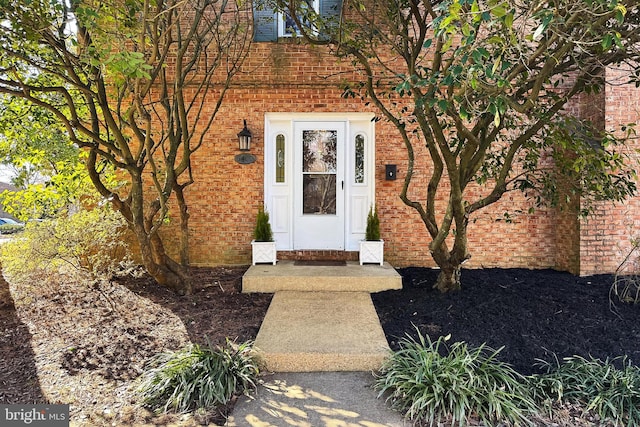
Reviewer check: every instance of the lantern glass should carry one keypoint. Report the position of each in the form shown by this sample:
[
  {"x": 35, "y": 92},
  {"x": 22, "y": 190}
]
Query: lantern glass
[{"x": 244, "y": 138}]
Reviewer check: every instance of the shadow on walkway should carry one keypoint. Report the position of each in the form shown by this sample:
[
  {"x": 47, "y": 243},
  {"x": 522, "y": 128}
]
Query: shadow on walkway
[
  {"x": 315, "y": 399},
  {"x": 19, "y": 381}
]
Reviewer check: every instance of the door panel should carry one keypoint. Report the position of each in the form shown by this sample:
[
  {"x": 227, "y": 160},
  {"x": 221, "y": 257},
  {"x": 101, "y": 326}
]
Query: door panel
[{"x": 319, "y": 220}]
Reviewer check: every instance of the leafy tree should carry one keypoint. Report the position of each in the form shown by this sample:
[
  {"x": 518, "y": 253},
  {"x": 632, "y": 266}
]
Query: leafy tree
[
  {"x": 88, "y": 245},
  {"x": 478, "y": 90},
  {"x": 47, "y": 167},
  {"x": 137, "y": 84}
]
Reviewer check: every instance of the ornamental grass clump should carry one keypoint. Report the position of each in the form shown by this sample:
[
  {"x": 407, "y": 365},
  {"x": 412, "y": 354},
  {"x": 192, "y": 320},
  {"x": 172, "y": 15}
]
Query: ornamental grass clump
[
  {"x": 611, "y": 392},
  {"x": 432, "y": 383},
  {"x": 198, "y": 377}
]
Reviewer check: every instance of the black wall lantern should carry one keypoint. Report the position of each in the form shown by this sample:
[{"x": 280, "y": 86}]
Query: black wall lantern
[
  {"x": 244, "y": 138},
  {"x": 244, "y": 143}
]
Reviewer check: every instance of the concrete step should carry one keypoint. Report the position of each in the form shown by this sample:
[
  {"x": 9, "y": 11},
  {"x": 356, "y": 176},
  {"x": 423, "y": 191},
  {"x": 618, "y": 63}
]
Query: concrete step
[
  {"x": 352, "y": 277},
  {"x": 321, "y": 331}
]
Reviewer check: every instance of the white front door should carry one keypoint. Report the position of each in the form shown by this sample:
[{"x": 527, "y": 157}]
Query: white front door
[{"x": 319, "y": 202}]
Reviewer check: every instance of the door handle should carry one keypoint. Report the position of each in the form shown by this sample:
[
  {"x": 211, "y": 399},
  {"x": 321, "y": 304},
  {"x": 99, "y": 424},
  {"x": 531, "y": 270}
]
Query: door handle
[{"x": 342, "y": 182}]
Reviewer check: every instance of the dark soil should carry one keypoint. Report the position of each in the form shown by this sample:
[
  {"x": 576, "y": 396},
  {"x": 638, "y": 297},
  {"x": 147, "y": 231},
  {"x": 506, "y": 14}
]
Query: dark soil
[
  {"x": 534, "y": 314},
  {"x": 62, "y": 341}
]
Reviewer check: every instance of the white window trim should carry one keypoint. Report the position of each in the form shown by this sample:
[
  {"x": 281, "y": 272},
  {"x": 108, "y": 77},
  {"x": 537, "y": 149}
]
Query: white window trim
[{"x": 282, "y": 20}]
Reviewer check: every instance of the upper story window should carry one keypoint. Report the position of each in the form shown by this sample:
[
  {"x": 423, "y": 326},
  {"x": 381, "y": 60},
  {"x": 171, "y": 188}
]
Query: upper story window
[
  {"x": 287, "y": 26},
  {"x": 269, "y": 25}
]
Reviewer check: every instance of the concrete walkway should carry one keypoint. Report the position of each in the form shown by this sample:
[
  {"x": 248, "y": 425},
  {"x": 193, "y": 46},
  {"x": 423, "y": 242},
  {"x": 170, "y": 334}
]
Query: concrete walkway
[
  {"x": 323, "y": 337},
  {"x": 352, "y": 277},
  {"x": 318, "y": 399},
  {"x": 321, "y": 331}
]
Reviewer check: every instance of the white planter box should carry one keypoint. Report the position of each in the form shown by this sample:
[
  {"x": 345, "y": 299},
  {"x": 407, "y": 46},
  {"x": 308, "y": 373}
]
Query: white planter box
[
  {"x": 371, "y": 252},
  {"x": 263, "y": 252}
]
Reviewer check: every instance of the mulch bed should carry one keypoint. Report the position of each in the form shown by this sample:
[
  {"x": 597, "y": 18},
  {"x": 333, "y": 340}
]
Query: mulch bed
[
  {"x": 65, "y": 342},
  {"x": 68, "y": 342},
  {"x": 534, "y": 314}
]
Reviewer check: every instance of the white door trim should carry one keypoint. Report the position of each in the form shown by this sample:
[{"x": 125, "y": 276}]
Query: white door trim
[{"x": 280, "y": 194}]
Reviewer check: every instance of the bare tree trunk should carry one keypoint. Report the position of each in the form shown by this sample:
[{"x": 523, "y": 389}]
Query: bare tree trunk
[
  {"x": 172, "y": 274},
  {"x": 450, "y": 261},
  {"x": 143, "y": 123},
  {"x": 449, "y": 277},
  {"x": 161, "y": 267},
  {"x": 184, "y": 226}
]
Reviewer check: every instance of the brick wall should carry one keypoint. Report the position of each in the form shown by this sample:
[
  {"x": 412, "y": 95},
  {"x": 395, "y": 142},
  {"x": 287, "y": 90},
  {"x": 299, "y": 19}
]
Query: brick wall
[
  {"x": 289, "y": 77},
  {"x": 605, "y": 236},
  {"x": 286, "y": 77},
  {"x": 567, "y": 238}
]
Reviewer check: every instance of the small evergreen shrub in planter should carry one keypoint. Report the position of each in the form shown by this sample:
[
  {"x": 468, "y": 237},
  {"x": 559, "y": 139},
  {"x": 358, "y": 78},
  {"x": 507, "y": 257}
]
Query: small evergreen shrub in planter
[
  {"x": 372, "y": 233},
  {"x": 262, "y": 231},
  {"x": 198, "y": 377},
  {"x": 372, "y": 248},
  {"x": 263, "y": 247},
  {"x": 433, "y": 383}
]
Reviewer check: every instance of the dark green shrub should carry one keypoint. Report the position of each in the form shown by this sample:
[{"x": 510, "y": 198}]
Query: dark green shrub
[
  {"x": 433, "y": 383},
  {"x": 262, "y": 232},
  {"x": 198, "y": 377},
  {"x": 598, "y": 386},
  {"x": 11, "y": 228},
  {"x": 372, "y": 232}
]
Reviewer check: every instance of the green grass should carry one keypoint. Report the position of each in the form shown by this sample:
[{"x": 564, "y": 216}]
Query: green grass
[{"x": 198, "y": 377}]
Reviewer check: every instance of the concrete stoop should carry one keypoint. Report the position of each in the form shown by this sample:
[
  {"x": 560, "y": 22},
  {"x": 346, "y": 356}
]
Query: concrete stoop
[
  {"x": 321, "y": 331},
  {"x": 352, "y": 277}
]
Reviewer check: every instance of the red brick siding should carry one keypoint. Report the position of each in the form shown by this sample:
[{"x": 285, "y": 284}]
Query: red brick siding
[
  {"x": 285, "y": 77},
  {"x": 605, "y": 236}
]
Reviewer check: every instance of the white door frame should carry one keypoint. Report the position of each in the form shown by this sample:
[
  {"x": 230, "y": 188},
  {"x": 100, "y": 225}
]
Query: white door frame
[{"x": 280, "y": 193}]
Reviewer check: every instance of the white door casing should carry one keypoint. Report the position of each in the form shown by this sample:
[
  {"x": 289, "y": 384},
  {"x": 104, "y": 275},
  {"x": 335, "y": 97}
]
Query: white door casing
[{"x": 318, "y": 222}]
